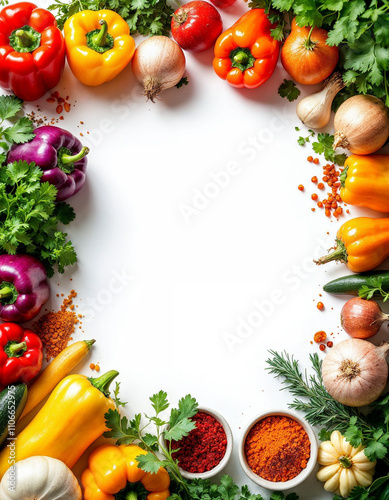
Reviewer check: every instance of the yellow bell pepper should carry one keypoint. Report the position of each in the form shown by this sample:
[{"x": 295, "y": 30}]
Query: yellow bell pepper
[
  {"x": 70, "y": 421},
  {"x": 110, "y": 470},
  {"x": 98, "y": 45},
  {"x": 365, "y": 181}
]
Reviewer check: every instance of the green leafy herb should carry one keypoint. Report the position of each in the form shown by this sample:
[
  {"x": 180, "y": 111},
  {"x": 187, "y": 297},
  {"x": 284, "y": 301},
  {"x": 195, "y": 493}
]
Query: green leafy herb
[
  {"x": 367, "y": 292},
  {"x": 116, "y": 397},
  {"x": 183, "y": 81},
  {"x": 29, "y": 217},
  {"x": 289, "y": 90},
  {"x": 359, "y": 28},
  {"x": 21, "y": 131},
  {"x": 303, "y": 140},
  {"x": 324, "y": 146},
  {"x": 146, "y": 17}
]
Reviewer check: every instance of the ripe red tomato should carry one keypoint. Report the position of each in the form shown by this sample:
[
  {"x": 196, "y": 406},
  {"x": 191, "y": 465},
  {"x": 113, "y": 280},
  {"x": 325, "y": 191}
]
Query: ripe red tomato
[
  {"x": 222, "y": 4},
  {"x": 196, "y": 26}
]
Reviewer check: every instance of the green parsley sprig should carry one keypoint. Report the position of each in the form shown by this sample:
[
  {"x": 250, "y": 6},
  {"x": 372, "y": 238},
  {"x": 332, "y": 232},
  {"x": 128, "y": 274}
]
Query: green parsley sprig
[
  {"x": 146, "y": 17},
  {"x": 368, "y": 292},
  {"x": 289, "y": 90},
  {"x": 29, "y": 217}
]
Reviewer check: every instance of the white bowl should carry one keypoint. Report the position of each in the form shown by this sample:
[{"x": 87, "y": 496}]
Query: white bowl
[
  {"x": 279, "y": 485},
  {"x": 223, "y": 462}
]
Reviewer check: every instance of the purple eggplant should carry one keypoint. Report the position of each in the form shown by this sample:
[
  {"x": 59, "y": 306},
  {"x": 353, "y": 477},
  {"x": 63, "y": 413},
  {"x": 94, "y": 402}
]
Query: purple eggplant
[
  {"x": 23, "y": 287},
  {"x": 59, "y": 154}
]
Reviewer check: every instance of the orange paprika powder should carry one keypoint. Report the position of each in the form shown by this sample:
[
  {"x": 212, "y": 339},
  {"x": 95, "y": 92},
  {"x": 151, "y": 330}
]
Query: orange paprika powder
[{"x": 277, "y": 448}]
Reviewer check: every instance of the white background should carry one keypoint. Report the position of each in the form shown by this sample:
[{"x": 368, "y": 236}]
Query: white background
[{"x": 172, "y": 320}]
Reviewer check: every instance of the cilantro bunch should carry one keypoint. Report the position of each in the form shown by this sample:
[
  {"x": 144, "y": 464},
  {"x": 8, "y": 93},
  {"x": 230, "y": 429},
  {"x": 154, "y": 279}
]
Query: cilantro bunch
[
  {"x": 29, "y": 215},
  {"x": 146, "y": 17},
  {"x": 360, "y": 28}
]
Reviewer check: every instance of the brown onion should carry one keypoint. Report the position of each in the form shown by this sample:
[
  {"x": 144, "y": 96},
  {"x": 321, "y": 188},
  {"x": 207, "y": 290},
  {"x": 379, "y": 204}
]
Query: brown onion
[
  {"x": 355, "y": 372},
  {"x": 158, "y": 64},
  {"x": 361, "y": 124},
  {"x": 362, "y": 318}
]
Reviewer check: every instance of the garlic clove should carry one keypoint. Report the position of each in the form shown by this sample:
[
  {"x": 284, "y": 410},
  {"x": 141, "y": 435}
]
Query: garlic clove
[
  {"x": 326, "y": 473},
  {"x": 363, "y": 478},
  {"x": 337, "y": 442},
  {"x": 347, "y": 482},
  {"x": 332, "y": 484}
]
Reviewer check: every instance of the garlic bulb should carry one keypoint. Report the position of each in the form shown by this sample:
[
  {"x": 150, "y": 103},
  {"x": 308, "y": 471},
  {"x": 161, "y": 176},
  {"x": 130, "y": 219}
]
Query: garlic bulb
[
  {"x": 315, "y": 110},
  {"x": 355, "y": 372},
  {"x": 344, "y": 466},
  {"x": 39, "y": 478}
]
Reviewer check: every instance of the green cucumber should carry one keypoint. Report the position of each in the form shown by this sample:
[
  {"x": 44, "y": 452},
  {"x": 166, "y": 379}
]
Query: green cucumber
[
  {"x": 350, "y": 285},
  {"x": 13, "y": 399}
]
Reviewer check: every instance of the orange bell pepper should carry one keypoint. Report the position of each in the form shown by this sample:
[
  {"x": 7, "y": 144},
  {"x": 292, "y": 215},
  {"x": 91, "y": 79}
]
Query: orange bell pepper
[
  {"x": 365, "y": 181},
  {"x": 110, "y": 470},
  {"x": 246, "y": 54},
  {"x": 362, "y": 243}
]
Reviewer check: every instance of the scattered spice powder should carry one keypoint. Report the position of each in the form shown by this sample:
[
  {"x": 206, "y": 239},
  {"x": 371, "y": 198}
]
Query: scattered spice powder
[
  {"x": 204, "y": 447},
  {"x": 55, "y": 328},
  {"x": 277, "y": 448}
]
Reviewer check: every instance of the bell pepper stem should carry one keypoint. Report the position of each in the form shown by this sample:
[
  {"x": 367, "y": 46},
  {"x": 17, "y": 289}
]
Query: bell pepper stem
[
  {"x": 339, "y": 254},
  {"x": 242, "y": 58},
  {"x": 103, "y": 382},
  {"x": 101, "y": 38},
  {"x": 131, "y": 496},
  {"x": 24, "y": 38},
  {"x": 15, "y": 350},
  {"x": 5, "y": 292},
  {"x": 66, "y": 159}
]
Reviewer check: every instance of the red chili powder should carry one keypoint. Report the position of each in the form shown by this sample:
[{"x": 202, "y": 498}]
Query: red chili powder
[{"x": 204, "y": 447}]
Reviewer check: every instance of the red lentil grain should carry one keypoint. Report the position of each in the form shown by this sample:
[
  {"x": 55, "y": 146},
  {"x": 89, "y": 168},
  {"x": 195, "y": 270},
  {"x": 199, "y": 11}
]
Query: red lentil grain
[
  {"x": 310, "y": 159},
  {"x": 314, "y": 196},
  {"x": 320, "y": 306},
  {"x": 301, "y": 187},
  {"x": 316, "y": 161}
]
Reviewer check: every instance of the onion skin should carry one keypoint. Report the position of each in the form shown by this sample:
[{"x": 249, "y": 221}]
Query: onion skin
[
  {"x": 361, "y": 124},
  {"x": 362, "y": 318},
  {"x": 158, "y": 64},
  {"x": 355, "y": 372}
]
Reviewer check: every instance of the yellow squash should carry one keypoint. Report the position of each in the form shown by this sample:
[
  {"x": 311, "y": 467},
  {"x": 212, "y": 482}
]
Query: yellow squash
[
  {"x": 70, "y": 421},
  {"x": 61, "y": 366}
]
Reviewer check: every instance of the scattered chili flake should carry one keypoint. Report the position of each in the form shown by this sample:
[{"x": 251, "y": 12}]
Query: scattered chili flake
[
  {"x": 301, "y": 187},
  {"x": 67, "y": 107},
  {"x": 204, "y": 447},
  {"x": 59, "y": 109},
  {"x": 97, "y": 368},
  {"x": 92, "y": 366},
  {"x": 316, "y": 161},
  {"x": 51, "y": 99},
  {"x": 56, "y": 328},
  {"x": 330, "y": 344},
  {"x": 320, "y": 204},
  {"x": 314, "y": 196},
  {"x": 320, "y": 185},
  {"x": 320, "y": 336},
  {"x": 314, "y": 179},
  {"x": 322, "y": 347},
  {"x": 310, "y": 159},
  {"x": 277, "y": 448},
  {"x": 320, "y": 306}
]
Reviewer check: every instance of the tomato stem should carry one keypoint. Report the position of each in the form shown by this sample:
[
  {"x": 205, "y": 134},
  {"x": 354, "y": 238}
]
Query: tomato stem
[{"x": 309, "y": 44}]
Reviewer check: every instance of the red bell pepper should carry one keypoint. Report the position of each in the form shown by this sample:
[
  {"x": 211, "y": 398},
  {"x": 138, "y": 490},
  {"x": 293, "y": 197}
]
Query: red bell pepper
[
  {"x": 32, "y": 50},
  {"x": 21, "y": 354},
  {"x": 246, "y": 55}
]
